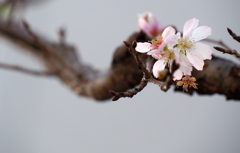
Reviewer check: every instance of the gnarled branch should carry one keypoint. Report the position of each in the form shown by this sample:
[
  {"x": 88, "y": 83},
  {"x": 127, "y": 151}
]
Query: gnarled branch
[{"x": 219, "y": 75}]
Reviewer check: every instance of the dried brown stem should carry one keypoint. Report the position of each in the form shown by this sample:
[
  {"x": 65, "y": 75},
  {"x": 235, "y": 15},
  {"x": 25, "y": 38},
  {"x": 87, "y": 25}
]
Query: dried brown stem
[
  {"x": 130, "y": 93},
  {"x": 228, "y": 51},
  {"x": 219, "y": 42},
  {"x": 141, "y": 65},
  {"x": 234, "y": 36}
]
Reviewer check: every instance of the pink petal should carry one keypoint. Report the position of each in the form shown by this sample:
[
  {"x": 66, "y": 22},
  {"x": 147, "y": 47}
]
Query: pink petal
[
  {"x": 201, "y": 33},
  {"x": 195, "y": 60},
  {"x": 171, "y": 40},
  {"x": 148, "y": 24},
  {"x": 177, "y": 55},
  {"x": 190, "y": 25},
  {"x": 159, "y": 65},
  {"x": 168, "y": 32},
  {"x": 143, "y": 47},
  {"x": 185, "y": 65},
  {"x": 203, "y": 50},
  {"x": 155, "y": 51},
  {"x": 186, "y": 68},
  {"x": 155, "y": 54},
  {"x": 177, "y": 75}
]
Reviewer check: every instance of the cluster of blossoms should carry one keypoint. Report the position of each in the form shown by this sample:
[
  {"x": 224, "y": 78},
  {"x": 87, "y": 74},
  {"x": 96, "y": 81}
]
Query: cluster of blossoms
[{"x": 185, "y": 49}]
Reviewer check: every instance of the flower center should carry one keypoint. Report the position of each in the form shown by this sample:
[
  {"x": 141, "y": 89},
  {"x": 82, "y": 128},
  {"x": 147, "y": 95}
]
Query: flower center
[
  {"x": 184, "y": 44},
  {"x": 168, "y": 55},
  {"x": 156, "y": 43}
]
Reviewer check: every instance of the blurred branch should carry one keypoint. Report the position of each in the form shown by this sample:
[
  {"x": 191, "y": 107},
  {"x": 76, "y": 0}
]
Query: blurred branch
[
  {"x": 25, "y": 70},
  {"x": 219, "y": 42}
]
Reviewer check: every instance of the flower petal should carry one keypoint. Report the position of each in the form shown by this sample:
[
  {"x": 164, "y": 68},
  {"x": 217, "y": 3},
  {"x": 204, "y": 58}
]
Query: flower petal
[
  {"x": 148, "y": 24},
  {"x": 143, "y": 47},
  {"x": 159, "y": 65},
  {"x": 190, "y": 25},
  {"x": 177, "y": 75},
  {"x": 171, "y": 40},
  {"x": 196, "y": 60},
  {"x": 168, "y": 32},
  {"x": 185, "y": 65},
  {"x": 201, "y": 32},
  {"x": 155, "y": 54},
  {"x": 203, "y": 50}
]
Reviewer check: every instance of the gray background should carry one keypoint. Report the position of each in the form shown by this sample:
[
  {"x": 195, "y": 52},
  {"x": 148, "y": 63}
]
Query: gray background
[{"x": 41, "y": 115}]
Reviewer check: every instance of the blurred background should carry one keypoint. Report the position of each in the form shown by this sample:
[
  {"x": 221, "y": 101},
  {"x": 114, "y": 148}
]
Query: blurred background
[{"x": 41, "y": 115}]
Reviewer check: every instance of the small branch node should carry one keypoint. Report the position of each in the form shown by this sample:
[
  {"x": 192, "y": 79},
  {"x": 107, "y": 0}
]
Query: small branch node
[
  {"x": 127, "y": 43},
  {"x": 234, "y": 36}
]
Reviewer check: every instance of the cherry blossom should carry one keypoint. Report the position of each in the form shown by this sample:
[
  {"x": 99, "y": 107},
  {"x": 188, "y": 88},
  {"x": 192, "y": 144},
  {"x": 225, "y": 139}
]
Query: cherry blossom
[
  {"x": 149, "y": 24},
  {"x": 185, "y": 50},
  {"x": 160, "y": 49},
  {"x": 185, "y": 67},
  {"x": 195, "y": 51}
]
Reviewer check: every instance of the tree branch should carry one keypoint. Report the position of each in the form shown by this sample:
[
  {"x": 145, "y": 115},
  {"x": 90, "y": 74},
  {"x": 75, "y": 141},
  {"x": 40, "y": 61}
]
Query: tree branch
[
  {"x": 124, "y": 76},
  {"x": 25, "y": 70},
  {"x": 234, "y": 36},
  {"x": 228, "y": 51}
]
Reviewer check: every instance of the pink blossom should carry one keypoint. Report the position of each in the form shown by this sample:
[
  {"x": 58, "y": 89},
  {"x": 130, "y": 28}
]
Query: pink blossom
[
  {"x": 195, "y": 51},
  {"x": 159, "y": 49},
  {"x": 185, "y": 67},
  {"x": 149, "y": 24},
  {"x": 185, "y": 50}
]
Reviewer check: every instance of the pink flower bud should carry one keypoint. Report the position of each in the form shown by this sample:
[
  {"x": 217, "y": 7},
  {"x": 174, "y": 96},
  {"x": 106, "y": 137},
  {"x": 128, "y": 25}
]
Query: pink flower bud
[{"x": 149, "y": 24}]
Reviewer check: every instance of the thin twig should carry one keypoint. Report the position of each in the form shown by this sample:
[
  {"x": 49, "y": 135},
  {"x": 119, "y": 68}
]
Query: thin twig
[
  {"x": 219, "y": 42},
  {"x": 234, "y": 36},
  {"x": 130, "y": 93},
  {"x": 62, "y": 36},
  {"x": 25, "y": 70},
  {"x": 49, "y": 49},
  {"x": 29, "y": 30},
  {"x": 147, "y": 77},
  {"x": 159, "y": 83},
  {"x": 140, "y": 63},
  {"x": 228, "y": 51}
]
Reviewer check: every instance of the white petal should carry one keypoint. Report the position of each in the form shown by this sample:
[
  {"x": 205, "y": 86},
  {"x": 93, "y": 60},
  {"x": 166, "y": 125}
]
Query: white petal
[
  {"x": 177, "y": 75},
  {"x": 143, "y": 47},
  {"x": 201, "y": 33},
  {"x": 190, "y": 25},
  {"x": 159, "y": 65},
  {"x": 177, "y": 55},
  {"x": 203, "y": 50},
  {"x": 196, "y": 60},
  {"x": 185, "y": 65},
  {"x": 171, "y": 40},
  {"x": 168, "y": 32},
  {"x": 186, "y": 69},
  {"x": 155, "y": 54}
]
